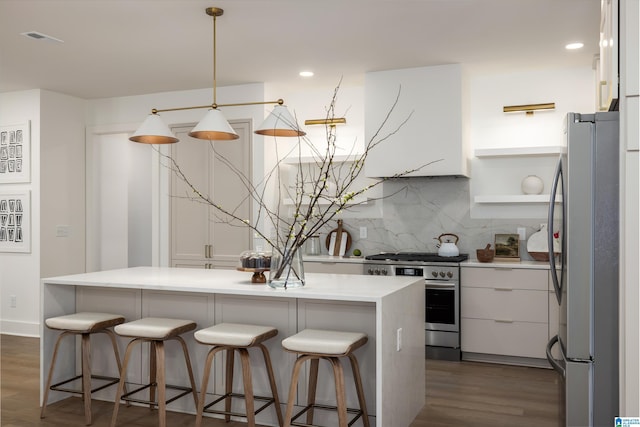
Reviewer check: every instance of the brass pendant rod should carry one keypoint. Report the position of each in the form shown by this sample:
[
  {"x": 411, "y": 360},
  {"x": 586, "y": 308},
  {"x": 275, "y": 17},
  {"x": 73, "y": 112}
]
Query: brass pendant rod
[
  {"x": 214, "y": 106},
  {"x": 214, "y": 55}
]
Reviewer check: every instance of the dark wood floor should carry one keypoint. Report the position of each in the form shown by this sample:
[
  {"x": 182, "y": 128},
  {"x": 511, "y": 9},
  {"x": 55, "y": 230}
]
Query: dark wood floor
[{"x": 458, "y": 394}]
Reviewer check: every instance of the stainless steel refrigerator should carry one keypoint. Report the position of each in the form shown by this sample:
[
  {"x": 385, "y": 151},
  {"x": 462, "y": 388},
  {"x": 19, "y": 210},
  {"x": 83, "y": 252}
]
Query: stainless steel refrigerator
[{"x": 584, "y": 208}]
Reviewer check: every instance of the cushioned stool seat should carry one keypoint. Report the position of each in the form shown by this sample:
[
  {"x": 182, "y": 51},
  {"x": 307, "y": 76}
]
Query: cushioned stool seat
[
  {"x": 155, "y": 331},
  {"x": 237, "y": 337},
  {"x": 313, "y": 345},
  {"x": 83, "y": 324}
]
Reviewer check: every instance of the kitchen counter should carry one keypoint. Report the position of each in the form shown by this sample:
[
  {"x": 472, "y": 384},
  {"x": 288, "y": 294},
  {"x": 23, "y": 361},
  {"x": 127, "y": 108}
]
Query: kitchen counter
[
  {"x": 389, "y": 309},
  {"x": 470, "y": 262},
  {"x": 331, "y": 258},
  {"x": 537, "y": 265}
]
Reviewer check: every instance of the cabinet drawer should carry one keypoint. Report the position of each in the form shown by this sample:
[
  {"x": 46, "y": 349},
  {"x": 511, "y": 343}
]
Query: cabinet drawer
[
  {"x": 520, "y": 339},
  {"x": 505, "y": 277},
  {"x": 333, "y": 267},
  {"x": 506, "y": 305}
]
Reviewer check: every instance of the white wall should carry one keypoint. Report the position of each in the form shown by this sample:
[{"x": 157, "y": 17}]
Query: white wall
[
  {"x": 571, "y": 89},
  {"x": 141, "y": 180},
  {"x": 21, "y": 272},
  {"x": 57, "y": 198}
]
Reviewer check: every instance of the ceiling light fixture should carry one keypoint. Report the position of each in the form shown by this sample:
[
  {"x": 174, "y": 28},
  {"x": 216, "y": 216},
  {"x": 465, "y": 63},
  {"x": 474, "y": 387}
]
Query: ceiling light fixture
[
  {"x": 574, "y": 46},
  {"x": 214, "y": 126},
  {"x": 306, "y": 73}
]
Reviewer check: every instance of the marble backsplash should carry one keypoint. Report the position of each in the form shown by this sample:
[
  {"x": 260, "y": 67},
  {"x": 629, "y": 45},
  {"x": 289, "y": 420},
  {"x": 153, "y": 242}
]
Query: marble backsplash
[{"x": 415, "y": 211}]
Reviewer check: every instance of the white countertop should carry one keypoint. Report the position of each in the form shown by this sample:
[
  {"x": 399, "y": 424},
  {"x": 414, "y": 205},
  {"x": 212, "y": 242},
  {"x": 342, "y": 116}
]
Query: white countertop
[
  {"x": 341, "y": 287},
  {"x": 331, "y": 258},
  {"x": 468, "y": 263},
  {"x": 536, "y": 265}
]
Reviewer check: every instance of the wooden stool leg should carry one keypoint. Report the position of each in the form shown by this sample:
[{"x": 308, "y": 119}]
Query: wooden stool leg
[
  {"x": 359, "y": 389},
  {"x": 248, "y": 386},
  {"x": 313, "y": 385},
  {"x": 153, "y": 372},
  {"x": 205, "y": 381},
  {"x": 187, "y": 360},
  {"x": 293, "y": 388},
  {"x": 116, "y": 353},
  {"x": 125, "y": 363},
  {"x": 45, "y": 397},
  {"x": 162, "y": 384},
  {"x": 228, "y": 378},
  {"x": 86, "y": 376},
  {"x": 340, "y": 395},
  {"x": 272, "y": 382}
]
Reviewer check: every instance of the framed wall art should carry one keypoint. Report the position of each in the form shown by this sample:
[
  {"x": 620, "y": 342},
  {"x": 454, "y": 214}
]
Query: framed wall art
[
  {"x": 15, "y": 221},
  {"x": 507, "y": 247},
  {"x": 15, "y": 153}
]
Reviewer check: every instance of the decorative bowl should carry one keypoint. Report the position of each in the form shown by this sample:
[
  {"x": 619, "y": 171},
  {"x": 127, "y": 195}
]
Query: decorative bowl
[{"x": 485, "y": 255}]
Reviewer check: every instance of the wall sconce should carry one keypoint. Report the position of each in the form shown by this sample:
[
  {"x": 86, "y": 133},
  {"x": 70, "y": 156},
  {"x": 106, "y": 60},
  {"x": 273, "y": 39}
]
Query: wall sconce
[
  {"x": 327, "y": 122},
  {"x": 528, "y": 108}
]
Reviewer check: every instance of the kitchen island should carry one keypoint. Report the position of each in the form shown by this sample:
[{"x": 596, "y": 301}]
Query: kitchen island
[{"x": 390, "y": 310}]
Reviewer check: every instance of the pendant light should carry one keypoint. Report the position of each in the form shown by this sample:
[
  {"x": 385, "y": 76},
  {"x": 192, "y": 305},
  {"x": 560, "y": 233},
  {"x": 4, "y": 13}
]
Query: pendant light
[{"x": 214, "y": 126}]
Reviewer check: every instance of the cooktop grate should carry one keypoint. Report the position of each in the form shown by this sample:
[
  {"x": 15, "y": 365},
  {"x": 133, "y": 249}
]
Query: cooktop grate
[{"x": 415, "y": 256}]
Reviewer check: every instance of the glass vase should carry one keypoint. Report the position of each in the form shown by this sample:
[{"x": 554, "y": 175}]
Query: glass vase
[{"x": 287, "y": 270}]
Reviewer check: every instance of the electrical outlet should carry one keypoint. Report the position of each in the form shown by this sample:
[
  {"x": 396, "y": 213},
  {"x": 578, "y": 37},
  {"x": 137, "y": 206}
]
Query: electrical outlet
[
  {"x": 13, "y": 301},
  {"x": 62, "y": 230},
  {"x": 363, "y": 232},
  {"x": 399, "y": 339}
]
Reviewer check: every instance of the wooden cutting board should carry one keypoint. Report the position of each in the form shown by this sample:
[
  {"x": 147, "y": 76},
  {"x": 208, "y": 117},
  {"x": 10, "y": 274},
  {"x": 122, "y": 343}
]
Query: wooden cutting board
[{"x": 338, "y": 241}]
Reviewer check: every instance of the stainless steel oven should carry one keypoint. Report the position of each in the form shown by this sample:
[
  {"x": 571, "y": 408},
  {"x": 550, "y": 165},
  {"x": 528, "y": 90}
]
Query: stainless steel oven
[{"x": 442, "y": 295}]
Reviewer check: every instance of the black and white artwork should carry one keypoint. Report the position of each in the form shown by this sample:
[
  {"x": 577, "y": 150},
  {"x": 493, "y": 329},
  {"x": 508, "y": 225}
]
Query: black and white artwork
[
  {"x": 15, "y": 222},
  {"x": 15, "y": 152}
]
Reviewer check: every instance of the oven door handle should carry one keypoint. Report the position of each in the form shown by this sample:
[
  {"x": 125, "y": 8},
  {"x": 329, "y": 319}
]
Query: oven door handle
[{"x": 433, "y": 284}]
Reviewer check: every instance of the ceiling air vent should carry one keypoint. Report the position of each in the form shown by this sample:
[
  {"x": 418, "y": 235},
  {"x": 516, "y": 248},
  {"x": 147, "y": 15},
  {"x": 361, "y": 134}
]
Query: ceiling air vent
[{"x": 40, "y": 36}]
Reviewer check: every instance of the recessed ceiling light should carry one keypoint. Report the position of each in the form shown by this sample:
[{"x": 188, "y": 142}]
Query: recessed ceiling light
[
  {"x": 306, "y": 73},
  {"x": 574, "y": 46},
  {"x": 36, "y": 35}
]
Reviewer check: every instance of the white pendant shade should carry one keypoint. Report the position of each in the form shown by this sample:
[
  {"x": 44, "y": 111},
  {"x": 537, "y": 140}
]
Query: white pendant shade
[
  {"x": 280, "y": 123},
  {"x": 214, "y": 127},
  {"x": 153, "y": 131}
]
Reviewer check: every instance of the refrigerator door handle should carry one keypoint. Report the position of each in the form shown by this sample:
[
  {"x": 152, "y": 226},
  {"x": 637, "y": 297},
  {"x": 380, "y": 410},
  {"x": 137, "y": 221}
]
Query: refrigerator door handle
[
  {"x": 557, "y": 284},
  {"x": 553, "y": 362}
]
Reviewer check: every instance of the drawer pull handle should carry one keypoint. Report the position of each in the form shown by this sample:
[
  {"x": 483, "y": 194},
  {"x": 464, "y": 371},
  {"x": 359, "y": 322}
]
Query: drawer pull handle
[
  {"x": 502, "y": 289},
  {"x": 502, "y": 321}
]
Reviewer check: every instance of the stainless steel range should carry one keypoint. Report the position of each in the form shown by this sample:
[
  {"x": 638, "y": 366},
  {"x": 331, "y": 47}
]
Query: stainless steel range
[{"x": 442, "y": 294}]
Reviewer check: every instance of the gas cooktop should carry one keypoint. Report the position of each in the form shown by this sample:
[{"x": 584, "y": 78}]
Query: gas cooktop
[{"x": 415, "y": 256}]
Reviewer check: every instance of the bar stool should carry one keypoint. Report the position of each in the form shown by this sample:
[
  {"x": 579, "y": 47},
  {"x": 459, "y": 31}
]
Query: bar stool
[
  {"x": 155, "y": 331},
  {"x": 83, "y": 324},
  {"x": 237, "y": 337},
  {"x": 313, "y": 345}
]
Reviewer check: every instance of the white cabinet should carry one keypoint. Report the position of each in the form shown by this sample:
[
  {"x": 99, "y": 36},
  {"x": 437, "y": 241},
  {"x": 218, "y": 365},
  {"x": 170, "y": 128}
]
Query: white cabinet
[
  {"x": 607, "y": 63},
  {"x": 426, "y": 125},
  {"x": 504, "y": 312},
  {"x": 200, "y": 237},
  {"x": 332, "y": 267},
  {"x": 554, "y": 317}
]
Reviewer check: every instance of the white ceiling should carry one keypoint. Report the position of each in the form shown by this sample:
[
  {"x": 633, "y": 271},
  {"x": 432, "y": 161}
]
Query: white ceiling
[{"x": 130, "y": 47}]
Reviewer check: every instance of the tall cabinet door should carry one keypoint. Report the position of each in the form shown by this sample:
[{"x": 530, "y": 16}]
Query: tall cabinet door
[{"x": 201, "y": 236}]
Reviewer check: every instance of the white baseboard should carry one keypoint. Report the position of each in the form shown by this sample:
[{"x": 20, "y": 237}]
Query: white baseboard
[{"x": 24, "y": 329}]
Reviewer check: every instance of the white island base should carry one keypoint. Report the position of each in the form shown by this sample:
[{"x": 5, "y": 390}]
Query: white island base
[{"x": 390, "y": 310}]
